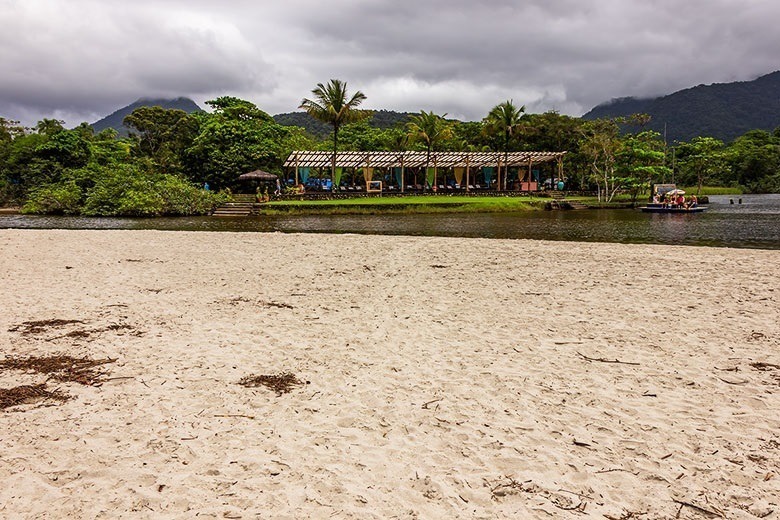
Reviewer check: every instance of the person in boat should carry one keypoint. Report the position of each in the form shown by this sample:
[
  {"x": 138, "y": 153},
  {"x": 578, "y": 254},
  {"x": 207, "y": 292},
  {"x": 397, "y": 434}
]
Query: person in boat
[
  {"x": 680, "y": 202},
  {"x": 655, "y": 199},
  {"x": 693, "y": 202}
]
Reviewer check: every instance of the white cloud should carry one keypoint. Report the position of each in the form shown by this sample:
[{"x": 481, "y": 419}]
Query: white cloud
[{"x": 84, "y": 58}]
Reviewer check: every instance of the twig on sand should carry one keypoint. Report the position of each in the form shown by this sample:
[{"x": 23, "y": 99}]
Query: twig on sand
[
  {"x": 425, "y": 405},
  {"x": 575, "y": 493},
  {"x": 604, "y": 360},
  {"x": 759, "y": 365},
  {"x": 740, "y": 382},
  {"x": 579, "y": 507},
  {"x": 235, "y": 415},
  {"x": 627, "y": 515},
  {"x": 711, "y": 510},
  {"x": 617, "y": 469}
]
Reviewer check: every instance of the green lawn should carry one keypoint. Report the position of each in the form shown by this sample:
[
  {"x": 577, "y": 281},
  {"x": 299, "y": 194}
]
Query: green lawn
[{"x": 409, "y": 204}]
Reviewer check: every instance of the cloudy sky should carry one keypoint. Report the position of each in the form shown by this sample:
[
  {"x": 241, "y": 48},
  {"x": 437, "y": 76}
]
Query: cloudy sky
[{"x": 78, "y": 60}]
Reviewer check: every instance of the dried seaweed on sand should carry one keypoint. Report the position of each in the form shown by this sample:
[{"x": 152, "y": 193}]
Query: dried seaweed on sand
[
  {"x": 61, "y": 367},
  {"x": 34, "y": 327},
  {"x": 26, "y": 394},
  {"x": 282, "y": 383}
]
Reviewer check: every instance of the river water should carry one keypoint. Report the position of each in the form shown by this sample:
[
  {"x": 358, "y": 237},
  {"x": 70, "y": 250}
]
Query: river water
[{"x": 755, "y": 223}]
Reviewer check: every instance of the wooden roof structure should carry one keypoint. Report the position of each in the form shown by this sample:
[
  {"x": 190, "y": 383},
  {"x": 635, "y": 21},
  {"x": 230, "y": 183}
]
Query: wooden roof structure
[
  {"x": 322, "y": 159},
  {"x": 257, "y": 175}
]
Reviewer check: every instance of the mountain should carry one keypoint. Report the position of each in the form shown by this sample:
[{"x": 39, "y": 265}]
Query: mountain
[
  {"x": 115, "y": 119},
  {"x": 381, "y": 119},
  {"x": 722, "y": 110}
]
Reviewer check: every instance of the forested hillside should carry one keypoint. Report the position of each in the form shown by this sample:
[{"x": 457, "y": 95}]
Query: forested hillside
[
  {"x": 721, "y": 110},
  {"x": 381, "y": 119},
  {"x": 115, "y": 119}
]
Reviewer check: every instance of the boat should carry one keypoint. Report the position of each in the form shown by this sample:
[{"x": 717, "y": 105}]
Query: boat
[
  {"x": 669, "y": 191},
  {"x": 660, "y": 208}
]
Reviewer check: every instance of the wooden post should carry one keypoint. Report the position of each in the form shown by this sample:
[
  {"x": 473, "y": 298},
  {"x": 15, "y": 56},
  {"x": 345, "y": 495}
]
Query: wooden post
[
  {"x": 296, "y": 169},
  {"x": 403, "y": 179},
  {"x": 530, "y": 164},
  {"x": 498, "y": 174},
  {"x": 467, "y": 174},
  {"x": 435, "y": 175},
  {"x": 365, "y": 172},
  {"x": 560, "y": 168}
]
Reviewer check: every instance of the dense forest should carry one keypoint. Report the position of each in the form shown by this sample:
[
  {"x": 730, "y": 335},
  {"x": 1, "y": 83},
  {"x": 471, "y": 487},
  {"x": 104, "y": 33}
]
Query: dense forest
[
  {"x": 383, "y": 119},
  {"x": 171, "y": 155},
  {"x": 722, "y": 110}
]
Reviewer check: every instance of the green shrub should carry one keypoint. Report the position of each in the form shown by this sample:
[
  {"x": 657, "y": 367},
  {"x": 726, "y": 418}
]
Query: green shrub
[
  {"x": 182, "y": 198},
  {"x": 59, "y": 199},
  {"x": 122, "y": 190},
  {"x": 128, "y": 191},
  {"x": 768, "y": 184}
]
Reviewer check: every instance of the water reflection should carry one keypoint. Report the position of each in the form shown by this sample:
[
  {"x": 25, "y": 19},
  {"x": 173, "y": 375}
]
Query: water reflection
[{"x": 755, "y": 223}]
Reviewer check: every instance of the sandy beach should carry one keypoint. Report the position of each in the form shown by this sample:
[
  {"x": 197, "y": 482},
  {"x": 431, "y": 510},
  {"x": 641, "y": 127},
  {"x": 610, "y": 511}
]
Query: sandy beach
[{"x": 440, "y": 377}]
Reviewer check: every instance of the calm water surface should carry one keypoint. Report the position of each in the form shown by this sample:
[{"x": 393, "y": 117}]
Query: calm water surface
[{"x": 753, "y": 224}]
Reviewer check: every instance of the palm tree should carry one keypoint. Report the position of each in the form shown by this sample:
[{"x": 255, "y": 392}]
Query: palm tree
[
  {"x": 429, "y": 128},
  {"x": 504, "y": 119},
  {"x": 331, "y": 105}
]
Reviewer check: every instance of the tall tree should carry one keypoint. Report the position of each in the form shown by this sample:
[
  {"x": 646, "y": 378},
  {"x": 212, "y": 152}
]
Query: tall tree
[
  {"x": 640, "y": 162},
  {"x": 504, "y": 119},
  {"x": 601, "y": 144},
  {"x": 235, "y": 138},
  {"x": 431, "y": 130},
  {"x": 162, "y": 135},
  {"x": 332, "y": 105},
  {"x": 702, "y": 158}
]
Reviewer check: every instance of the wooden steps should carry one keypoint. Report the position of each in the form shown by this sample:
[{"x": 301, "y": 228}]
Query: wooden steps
[
  {"x": 235, "y": 209},
  {"x": 576, "y": 205},
  {"x": 560, "y": 202},
  {"x": 240, "y": 205}
]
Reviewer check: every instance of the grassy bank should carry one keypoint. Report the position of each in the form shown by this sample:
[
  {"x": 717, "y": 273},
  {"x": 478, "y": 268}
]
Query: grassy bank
[{"x": 400, "y": 205}]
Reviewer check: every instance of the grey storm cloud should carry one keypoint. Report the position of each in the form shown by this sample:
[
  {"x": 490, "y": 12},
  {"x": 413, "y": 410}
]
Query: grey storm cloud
[{"x": 81, "y": 59}]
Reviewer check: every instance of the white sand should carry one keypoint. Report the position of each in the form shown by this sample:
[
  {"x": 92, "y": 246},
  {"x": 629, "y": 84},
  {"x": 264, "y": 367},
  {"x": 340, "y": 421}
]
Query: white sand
[{"x": 447, "y": 378}]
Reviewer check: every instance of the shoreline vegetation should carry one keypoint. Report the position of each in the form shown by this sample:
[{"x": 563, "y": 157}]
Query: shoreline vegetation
[
  {"x": 412, "y": 204},
  {"x": 175, "y": 163},
  {"x": 415, "y": 204}
]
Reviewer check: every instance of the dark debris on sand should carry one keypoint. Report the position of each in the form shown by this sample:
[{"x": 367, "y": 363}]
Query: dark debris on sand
[
  {"x": 282, "y": 383},
  {"x": 86, "y": 333},
  {"x": 61, "y": 367},
  {"x": 35, "y": 327},
  {"x": 28, "y": 394}
]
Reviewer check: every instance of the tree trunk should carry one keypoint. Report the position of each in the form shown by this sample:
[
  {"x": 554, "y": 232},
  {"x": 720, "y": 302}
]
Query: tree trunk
[{"x": 333, "y": 161}]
